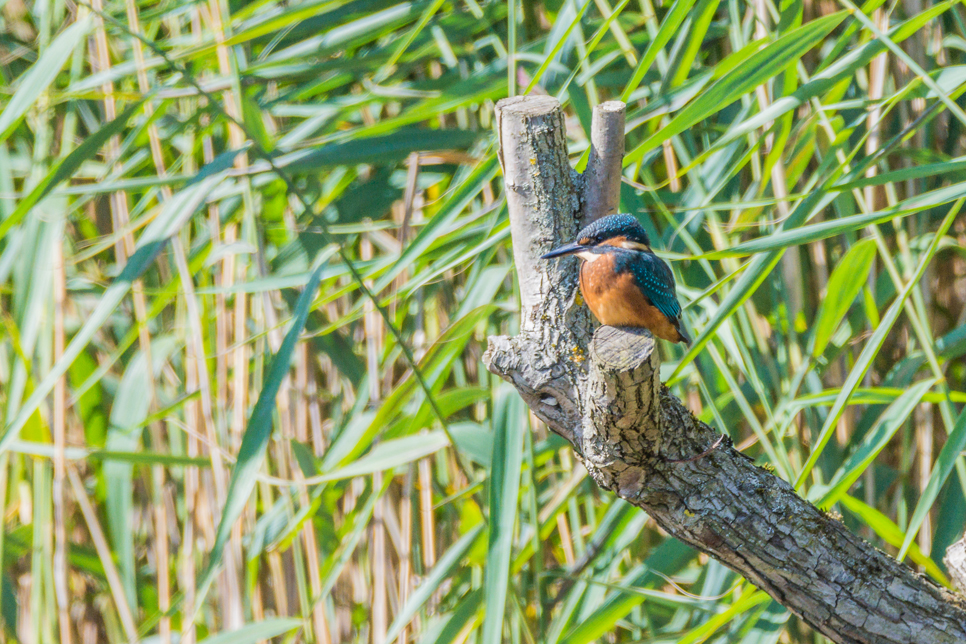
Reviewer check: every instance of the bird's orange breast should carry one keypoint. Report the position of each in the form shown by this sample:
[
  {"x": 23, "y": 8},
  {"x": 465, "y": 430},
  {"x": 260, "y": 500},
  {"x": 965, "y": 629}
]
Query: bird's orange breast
[{"x": 615, "y": 299}]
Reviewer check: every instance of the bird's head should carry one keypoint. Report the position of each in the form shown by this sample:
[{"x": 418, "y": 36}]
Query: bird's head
[{"x": 605, "y": 234}]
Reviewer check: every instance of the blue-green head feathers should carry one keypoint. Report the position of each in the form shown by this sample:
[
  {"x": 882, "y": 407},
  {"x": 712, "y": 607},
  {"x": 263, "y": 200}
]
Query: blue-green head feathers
[{"x": 612, "y": 226}]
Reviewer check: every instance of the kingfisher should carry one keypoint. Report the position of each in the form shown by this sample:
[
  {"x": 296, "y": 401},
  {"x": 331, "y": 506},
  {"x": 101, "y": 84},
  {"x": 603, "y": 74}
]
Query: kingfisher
[{"x": 623, "y": 282}]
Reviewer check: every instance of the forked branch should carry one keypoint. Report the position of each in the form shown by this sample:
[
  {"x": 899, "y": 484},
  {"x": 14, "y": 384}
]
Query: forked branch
[{"x": 602, "y": 392}]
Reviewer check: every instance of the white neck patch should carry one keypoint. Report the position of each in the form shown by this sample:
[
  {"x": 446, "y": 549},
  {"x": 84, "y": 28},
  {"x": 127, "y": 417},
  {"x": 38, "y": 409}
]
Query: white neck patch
[{"x": 632, "y": 245}]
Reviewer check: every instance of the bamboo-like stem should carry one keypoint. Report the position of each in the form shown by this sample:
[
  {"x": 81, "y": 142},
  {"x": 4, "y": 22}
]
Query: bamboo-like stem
[
  {"x": 427, "y": 525},
  {"x": 61, "y": 590},
  {"x": 201, "y": 378},
  {"x": 379, "y": 620},
  {"x": 236, "y": 138},
  {"x": 103, "y": 550},
  {"x": 791, "y": 262},
  {"x": 124, "y": 248},
  {"x": 157, "y": 472},
  {"x": 191, "y": 479},
  {"x": 319, "y": 622},
  {"x": 405, "y": 547},
  {"x": 212, "y": 401}
]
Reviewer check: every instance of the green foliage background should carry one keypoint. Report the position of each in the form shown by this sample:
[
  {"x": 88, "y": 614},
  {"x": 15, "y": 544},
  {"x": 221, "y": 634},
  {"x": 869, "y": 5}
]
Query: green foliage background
[{"x": 251, "y": 253}]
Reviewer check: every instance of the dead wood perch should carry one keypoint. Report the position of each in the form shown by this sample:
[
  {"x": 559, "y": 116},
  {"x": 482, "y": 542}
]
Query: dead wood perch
[{"x": 603, "y": 394}]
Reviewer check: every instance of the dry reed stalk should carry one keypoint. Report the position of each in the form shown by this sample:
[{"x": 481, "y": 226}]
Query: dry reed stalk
[
  {"x": 671, "y": 163},
  {"x": 236, "y": 138},
  {"x": 379, "y": 622},
  {"x": 102, "y": 59},
  {"x": 263, "y": 317},
  {"x": 405, "y": 547},
  {"x": 4, "y": 484},
  {"x": 188, "y": 573},
  {"x": 379, "y": 617},
  {"x": 158, "y": 475},
  {"x": 124, "y": 248},
  {"x": 213, "y": 495},
  {"x": 925, "y": 431},
  {"x": 791, "y": 262},
  {"x": 427, "y": 524},
  {"x": 197, "y": 375},
  {"x": 566, "y": 541},
  {"x": 210, "y": 501},
  {"x": 60, "y": 569},
  {"x": 303, "y": 377},
  {"x": 104, "y": 554}
]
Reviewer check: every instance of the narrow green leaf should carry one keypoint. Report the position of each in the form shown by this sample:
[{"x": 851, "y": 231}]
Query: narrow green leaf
[
  {"x": 251, "y": 454},
  {"x": 769, "y": 625},
  {"x": 443, "y": 219},
  {"x": 668, "y": 558},
  {"x": 692, "y": 43},
  {"x": 763, "y": 65},
  {"x": 891, "y": 534},
  {"x": 127, "y": 421},
  {"x": 871, "y": 396},
  {"x": 552, "y": 56},
  {"x": 387, "y": 455},
  {"x": 333, "y": 566},
  {"x": 66, "y": 168},
  {"x": 41, "y": 74},
  {"x": 843, "y": 287},
  {"x": 407, "y": 40},
  {"x": 831, "y": 227},
  {"x": 905, "y": 174},
  {"x": 826, "y": 79},
  {"x": 175, "y": 213},
  {"x": 435, "y": 365},
  {"x": 753, "y": 276},
  {"x": 255, "y": 632},
  {"x": 885, "y": 428},
  {"x": 870, "y": 351},
  {"x": 434, "y": 580},
  {"x": 456, "y": 622},
  {"x": 129, "y": 411},
  {"x": 749, "y": 598},
  {"x": 376, "y": 150},
  {"x": 953, "y": 448},
  {"x": 673, "y": 19},
  {"x": 509, "y": 425}
]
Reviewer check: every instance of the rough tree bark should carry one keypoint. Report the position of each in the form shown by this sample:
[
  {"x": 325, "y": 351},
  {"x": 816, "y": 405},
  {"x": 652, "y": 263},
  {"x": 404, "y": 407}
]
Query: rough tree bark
[{"x": 602, "y": 392}]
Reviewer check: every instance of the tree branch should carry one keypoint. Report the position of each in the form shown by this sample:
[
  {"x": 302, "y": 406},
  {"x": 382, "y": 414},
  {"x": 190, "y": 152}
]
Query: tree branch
[
  {"x": 638, "y": 441},
  {"x": 602, "y": 178}
]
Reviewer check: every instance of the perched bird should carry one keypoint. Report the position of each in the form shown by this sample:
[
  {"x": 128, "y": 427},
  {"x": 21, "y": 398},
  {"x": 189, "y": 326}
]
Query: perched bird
[{"x": 623, "y": 282}]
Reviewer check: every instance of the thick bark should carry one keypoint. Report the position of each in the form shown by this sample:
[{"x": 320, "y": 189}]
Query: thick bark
[{"x": 638, "y": 441}]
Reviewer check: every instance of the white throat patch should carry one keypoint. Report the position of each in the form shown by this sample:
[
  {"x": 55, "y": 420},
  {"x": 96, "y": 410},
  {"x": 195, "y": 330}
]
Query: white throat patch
[
  {"x": 632, "y": 245},
  {"x": 588, "y": 256}
]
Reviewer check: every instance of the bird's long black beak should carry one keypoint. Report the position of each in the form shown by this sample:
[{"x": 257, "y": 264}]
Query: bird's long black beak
[{"x": 568, "y": 249}]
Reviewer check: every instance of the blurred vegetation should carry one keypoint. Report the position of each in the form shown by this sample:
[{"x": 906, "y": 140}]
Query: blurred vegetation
[{"x": 251, "y": 253}]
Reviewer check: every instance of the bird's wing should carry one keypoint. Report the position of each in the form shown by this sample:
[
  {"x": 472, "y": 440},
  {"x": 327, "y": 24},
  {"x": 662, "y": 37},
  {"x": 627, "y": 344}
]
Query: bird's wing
[{"x": 656, "y": 281}]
